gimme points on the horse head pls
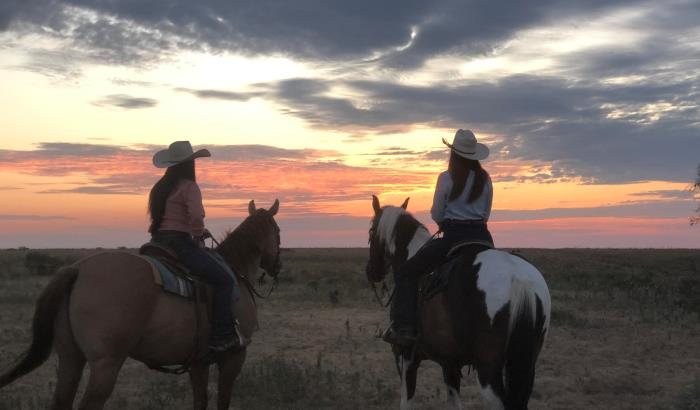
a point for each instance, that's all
(269, 243)
(257, 236)
(382, 245)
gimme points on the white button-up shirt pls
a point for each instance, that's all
(459, 208)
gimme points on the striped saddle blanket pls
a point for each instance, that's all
(164, 276)
(176, 280)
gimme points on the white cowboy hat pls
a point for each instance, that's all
(465, 145)
(178, 152)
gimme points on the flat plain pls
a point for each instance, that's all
(625, 331)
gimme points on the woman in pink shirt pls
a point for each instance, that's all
(177, 221)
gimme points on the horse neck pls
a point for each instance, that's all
(238, 253)
(389, 231)
(247, 266)
(421, 237)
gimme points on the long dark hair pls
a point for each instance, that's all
(162, 189)
(459, 169)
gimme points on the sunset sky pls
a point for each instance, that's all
(591, 110)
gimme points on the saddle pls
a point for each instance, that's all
(176, 278)
(168, 272)
(438, 280)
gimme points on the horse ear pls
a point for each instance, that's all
(404, 205)
(275, 207)
(251, 207)
(375, 204)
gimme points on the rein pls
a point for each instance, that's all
(379, 299)
(248, 282)
(393, 291)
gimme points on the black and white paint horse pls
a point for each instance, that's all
(493, 316)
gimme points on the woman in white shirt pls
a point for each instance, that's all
(461, 208)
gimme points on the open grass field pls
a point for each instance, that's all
(625, 335)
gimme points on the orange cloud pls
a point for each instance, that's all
(100, 192)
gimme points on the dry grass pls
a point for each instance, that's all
(625, 331)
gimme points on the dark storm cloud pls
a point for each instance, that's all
(573, 125)
(436, 155)
(48, 150)
(602, 132)
(126, 102)
(22, 11)
(60, 65)
(220, 94)
(572, 119)
(660, 54)
(667, 193)
(134, 31)
(254, 152)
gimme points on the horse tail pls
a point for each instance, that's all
(526, 332)
(47, 308)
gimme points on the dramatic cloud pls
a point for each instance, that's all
(219, 94)
(97, 190)
(606, 111)
(607, 132)
(394, 33)
(306, 180)
(668, 194)
(126, 102)
(650, 209)
(594, 92)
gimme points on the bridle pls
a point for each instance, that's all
(388, 264)
(261, 279)
(385, 267)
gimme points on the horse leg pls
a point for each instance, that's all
(490, 379)
(453, 379)
(71, 362)
(70, 370)
(199, 379)
(229, 368)
(408, 371)
(103, 376)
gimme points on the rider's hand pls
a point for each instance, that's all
(199, 242)
(206, 234)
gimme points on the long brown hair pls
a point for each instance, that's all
(164, 187)
(459, 169)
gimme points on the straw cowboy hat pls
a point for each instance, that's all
(177, 153)
(465, 145)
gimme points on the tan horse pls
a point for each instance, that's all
(106, 308)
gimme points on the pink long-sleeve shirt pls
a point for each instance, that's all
(184, 211)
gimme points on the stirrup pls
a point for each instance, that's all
(236, 342)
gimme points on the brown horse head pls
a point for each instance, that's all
(381, 239)
(259, 235)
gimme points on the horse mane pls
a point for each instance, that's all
(404, 231)
(243, 241)
(394, 227)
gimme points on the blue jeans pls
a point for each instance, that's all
(404, 309)
(210, 271)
